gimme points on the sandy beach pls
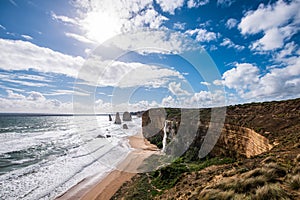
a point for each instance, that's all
(107, 187)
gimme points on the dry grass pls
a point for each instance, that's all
(294, 182)
(216, 194)
(269, 159)
(269, 192)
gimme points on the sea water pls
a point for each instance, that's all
(43, 156)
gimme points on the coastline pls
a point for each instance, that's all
(109, 185)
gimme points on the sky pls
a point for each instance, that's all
(100, 56)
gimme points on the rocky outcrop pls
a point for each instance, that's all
(109, 117)
(125, 126)
(127, 116)
(118, 119)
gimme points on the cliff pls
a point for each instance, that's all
(256, 155)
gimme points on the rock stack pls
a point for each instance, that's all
(109, 117)
(127, 116)
(118, 119)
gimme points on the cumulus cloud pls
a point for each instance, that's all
(176, 89)
(206, 99)
(231, 23)
(13, 95)
(278, 22)
(241, 77)
(36, 96)
(170, 5)
(169, 101)
(196, 3)
(202, 35)
(228, 43)
(277, 83)
(33, 102)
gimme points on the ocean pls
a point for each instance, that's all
(41, 157)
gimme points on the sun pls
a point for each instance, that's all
(101, 26)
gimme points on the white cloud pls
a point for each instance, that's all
(158, 41)
(25, 83)
(35, 102)
(2, 27)
(176, 89)
(288, 51)
(36, 96)
(278, 22)
(278, 83)
(115, 18)
(12, 95)
(206, 99)
(64, 19)
(23, 55)
(80, 38)
(27, 37)
(241, 77)
(205, 83)
(227, 42)
(179, 26)
(169, 101)
(196, 3)
(122, 75)
(231, 23)
(170, 5)
(202, 35)
(273, 39)
(225, 3)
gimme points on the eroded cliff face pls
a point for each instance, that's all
(236, 141)
(152, 125)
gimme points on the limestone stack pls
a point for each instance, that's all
(127, 116)
(118, 119)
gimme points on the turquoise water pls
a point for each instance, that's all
(43, 156)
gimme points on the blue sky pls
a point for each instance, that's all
(103, 56)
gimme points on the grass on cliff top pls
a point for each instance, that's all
(154, 183)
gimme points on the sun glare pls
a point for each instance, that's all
(101, 26)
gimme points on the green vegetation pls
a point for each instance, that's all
(155, 183)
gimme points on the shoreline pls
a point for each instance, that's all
(112, 181)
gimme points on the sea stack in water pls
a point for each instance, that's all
(118, 119)
(127, 116)
(109, 117)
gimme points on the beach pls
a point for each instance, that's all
(108, 185)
